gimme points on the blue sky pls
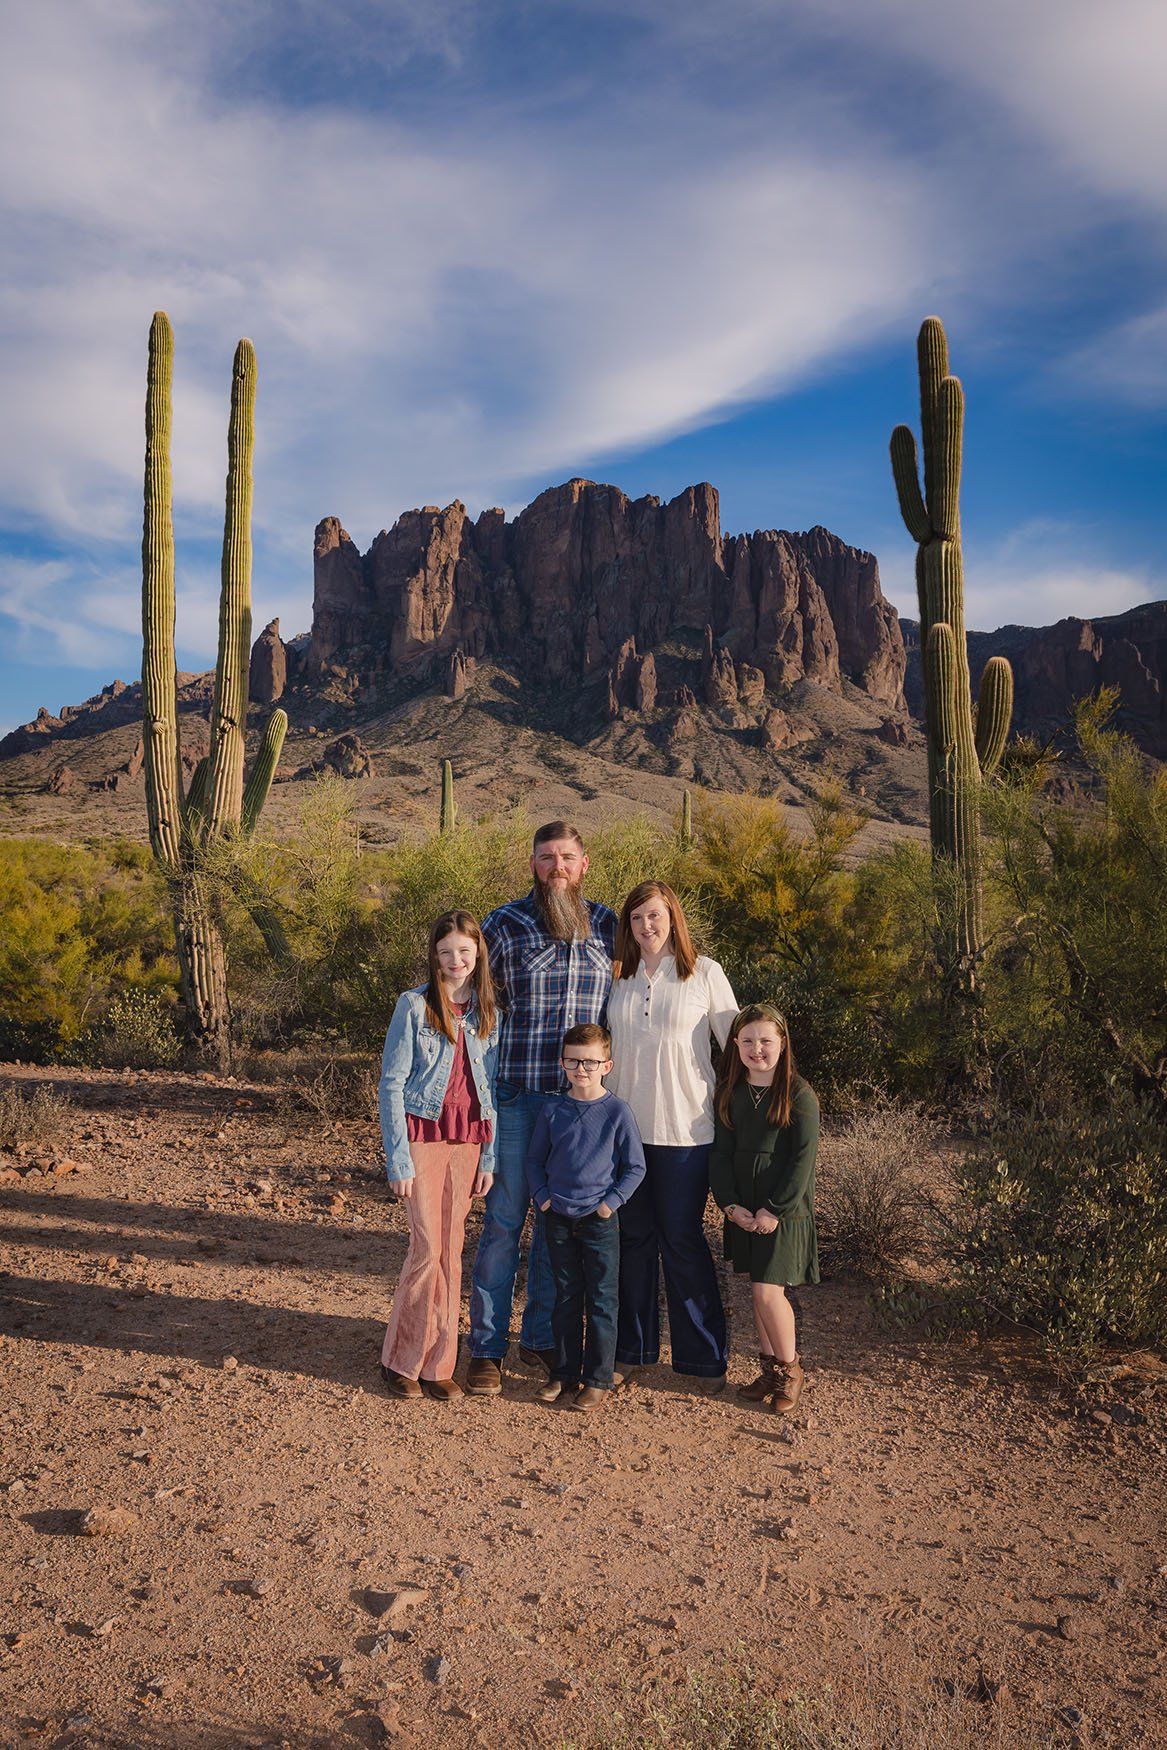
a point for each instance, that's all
(483, 247)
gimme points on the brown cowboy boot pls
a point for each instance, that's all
(761, 1388)
(787, 1387)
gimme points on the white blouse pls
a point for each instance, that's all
(662, 1062)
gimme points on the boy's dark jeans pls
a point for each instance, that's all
(585, 1263)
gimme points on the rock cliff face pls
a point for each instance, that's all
(1055, 665)
(585, 574)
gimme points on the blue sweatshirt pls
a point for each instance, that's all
(584, 1153)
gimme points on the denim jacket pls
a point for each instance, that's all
(415, 1073)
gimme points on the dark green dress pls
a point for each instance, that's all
(761, 1166)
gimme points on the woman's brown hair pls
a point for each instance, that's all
(627, 956)
(733, 1070)
(437, 1004)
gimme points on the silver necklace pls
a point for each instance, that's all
(757, 1095)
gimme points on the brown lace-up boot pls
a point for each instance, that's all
(787, 1387)
(761, 1388)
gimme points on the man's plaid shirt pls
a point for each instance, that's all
(544, 987)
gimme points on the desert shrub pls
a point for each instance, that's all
(791, 923)
(879, 1177)
(138, 1031)
(1075, 996)
(897, 1701)
(78, 924)
(41, 1117)
(1066, 1224)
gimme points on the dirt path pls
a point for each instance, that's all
(190, 1331)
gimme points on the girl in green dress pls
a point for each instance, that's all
(761, 1173)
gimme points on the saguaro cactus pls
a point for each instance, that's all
(964, 745)
(686, 819)
(217, 801)
(449, 808)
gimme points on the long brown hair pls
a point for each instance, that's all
(733, 1070)
(437, 1003)
(627, 956)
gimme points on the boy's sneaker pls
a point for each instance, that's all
(484, 1377)
(554, 1389)
(590, 1398)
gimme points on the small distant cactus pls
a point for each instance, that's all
(686, 819)
(964, 746)
(449, 808)
(217, 801)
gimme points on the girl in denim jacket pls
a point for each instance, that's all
(436, 1098)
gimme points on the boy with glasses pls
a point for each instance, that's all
(584, 1160)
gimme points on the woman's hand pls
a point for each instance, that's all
(401, 1187)
(765, 1222)
(741, 1218)
(482, 1184)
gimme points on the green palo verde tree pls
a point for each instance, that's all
(964, 744)
(217, 803)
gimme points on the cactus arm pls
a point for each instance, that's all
(932, 353)
(159, 697)
(994, 709)
(229, 715)
(255, 791)
(449, 809)
(905, 472)
(949, 431)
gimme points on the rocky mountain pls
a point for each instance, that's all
(1054, 665)
(594, 653)
(586, 583)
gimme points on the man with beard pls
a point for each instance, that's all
(551, 962)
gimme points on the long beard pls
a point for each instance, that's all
(564, 912)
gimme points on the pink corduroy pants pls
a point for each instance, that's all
(422, 1339)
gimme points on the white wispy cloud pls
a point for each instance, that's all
(458, 290)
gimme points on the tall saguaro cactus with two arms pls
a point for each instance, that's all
(217, 801)
(964, 745)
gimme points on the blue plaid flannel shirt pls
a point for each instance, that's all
(544, 987)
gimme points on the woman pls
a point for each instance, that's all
(437, 1119)
(666, 1002)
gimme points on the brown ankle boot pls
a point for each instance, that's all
(761, 1388)
(787, 1387)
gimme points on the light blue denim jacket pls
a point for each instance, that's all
(415, 1073)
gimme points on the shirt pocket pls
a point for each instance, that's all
(542, 972)
(597, 958)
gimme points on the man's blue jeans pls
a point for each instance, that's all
(496, 1262)
(585, 1262)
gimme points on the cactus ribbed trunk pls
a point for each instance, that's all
(229, 713)
(686, 819)
(217, 801)
(202, 961)
(446, 818)
(963, 746)
(159, 688)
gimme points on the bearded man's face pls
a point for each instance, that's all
(559, 866)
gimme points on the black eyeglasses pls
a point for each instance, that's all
(588, 1063)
